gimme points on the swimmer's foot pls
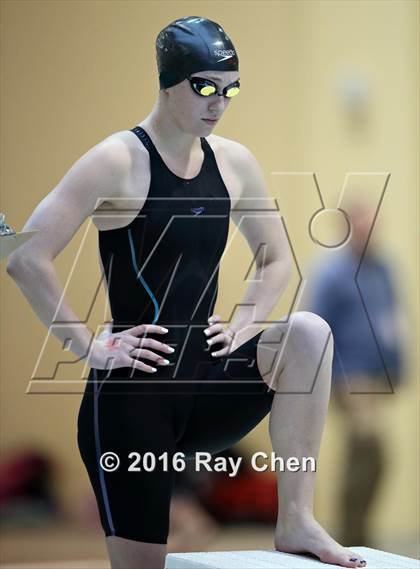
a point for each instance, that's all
(301, 533)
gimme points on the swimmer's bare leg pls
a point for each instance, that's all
(130, 554)
(302, 383)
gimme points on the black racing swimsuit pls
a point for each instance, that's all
(162, 268)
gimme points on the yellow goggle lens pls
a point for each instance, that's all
(207, 90)
(232, 92)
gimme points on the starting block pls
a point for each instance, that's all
(273, 559)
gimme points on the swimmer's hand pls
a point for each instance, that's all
(123, 349)
(222, 335)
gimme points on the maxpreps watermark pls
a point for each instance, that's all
(260, 462)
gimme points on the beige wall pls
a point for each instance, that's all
(73, 72)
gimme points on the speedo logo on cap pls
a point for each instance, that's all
(224, 54)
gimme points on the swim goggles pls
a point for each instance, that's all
(206, 88)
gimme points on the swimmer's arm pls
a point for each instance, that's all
(100, 174)
(266, 237)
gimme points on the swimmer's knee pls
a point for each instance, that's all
(309, 332)
(303, 332)
(305, 322)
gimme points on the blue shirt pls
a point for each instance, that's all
(360, 307)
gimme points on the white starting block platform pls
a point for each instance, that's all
(277, 560)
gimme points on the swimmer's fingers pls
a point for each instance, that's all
(128, 339)
(213, 329)
(146, 328)
(135, 342)
(220, 338)
(223, 352)
(124, 338)
(123, 358)
(214, 318)
(142, 353)
(226, 337)
(137, 364)
(155, 344)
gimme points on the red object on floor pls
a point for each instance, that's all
(249, 496)
(19, 470)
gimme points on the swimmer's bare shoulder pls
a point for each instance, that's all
(132, 167)
(239, 168)
(100, 180)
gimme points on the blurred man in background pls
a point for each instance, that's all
(354, 292)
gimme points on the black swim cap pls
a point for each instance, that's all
(192, 44)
